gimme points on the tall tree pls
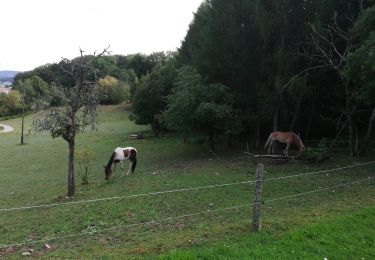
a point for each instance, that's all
(150, 97)
(250, 46)
(182, 102)
(77, 110)
(193, 105)
(360, 66)
(333, 42)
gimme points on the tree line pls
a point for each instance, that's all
(244, 69)
(249, 67)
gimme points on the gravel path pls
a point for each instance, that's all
(7, 128)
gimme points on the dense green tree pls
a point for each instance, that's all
(360, 66)
(150, 97)
(34, 88)
(193, 105)
(214, 114)
(127, 69)
(265, 53)
(182, 103)
(249, 46)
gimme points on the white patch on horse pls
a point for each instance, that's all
(120, 157)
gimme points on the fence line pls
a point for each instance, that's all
(321, 189)
(126, 196)
(178, 217)
(175, 190)
(321, 171)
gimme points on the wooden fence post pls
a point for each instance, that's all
(257, 201)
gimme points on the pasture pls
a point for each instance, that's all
(334, 222)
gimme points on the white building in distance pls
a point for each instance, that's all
(5, 90)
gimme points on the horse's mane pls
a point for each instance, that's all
(110, 162)
(300, 144)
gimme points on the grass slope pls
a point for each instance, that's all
(36, 173)
(342, 237)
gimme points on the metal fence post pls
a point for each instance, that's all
(257, 198)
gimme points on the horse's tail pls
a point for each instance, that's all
(134, 164)
(111, 159)
(268, 141)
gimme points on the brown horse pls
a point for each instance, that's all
(118, 156)
(288, 138)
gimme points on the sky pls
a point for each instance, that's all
(37, 32)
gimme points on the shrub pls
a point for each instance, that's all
(113, 91)
(84, 156)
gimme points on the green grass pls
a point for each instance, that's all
(350, 236)
(36, 173)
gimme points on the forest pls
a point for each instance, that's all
(245, 68)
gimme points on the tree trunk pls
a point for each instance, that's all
(155, 130)
(257, 135)
(348, 111)
(71, 185)
(350, 124)
(275, 125)
(368, 133)
(186, 136)
(212, 140)
(311, 116)
(229, 140)
(296, 114)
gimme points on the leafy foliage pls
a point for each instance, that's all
(193, 105)
(113, 91)
(185, 98)
(360, 66)
(267, 53)
(84, 157)
(10, 104)
(35, 88)
(150, 97)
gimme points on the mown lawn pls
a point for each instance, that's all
(35, 174)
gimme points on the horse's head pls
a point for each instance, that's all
(108, 172)
(301, 149)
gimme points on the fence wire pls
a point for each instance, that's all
(176, 190)
(179, 217)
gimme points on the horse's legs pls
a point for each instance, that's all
(287, 149)
(275, 147)
(270, 147)
(130, 166)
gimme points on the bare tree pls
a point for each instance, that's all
(72, 109)
(333, 45)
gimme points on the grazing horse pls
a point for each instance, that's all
(118, 156)
(284, 137)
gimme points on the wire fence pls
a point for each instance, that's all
(121, 227)
(178, 190)
(348, 184)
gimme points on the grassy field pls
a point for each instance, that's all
(335, 223)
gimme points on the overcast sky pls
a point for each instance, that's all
(36, 32)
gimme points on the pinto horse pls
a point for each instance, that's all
(288, 138)
(118, 156)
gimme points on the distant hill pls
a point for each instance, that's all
(7, 75)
